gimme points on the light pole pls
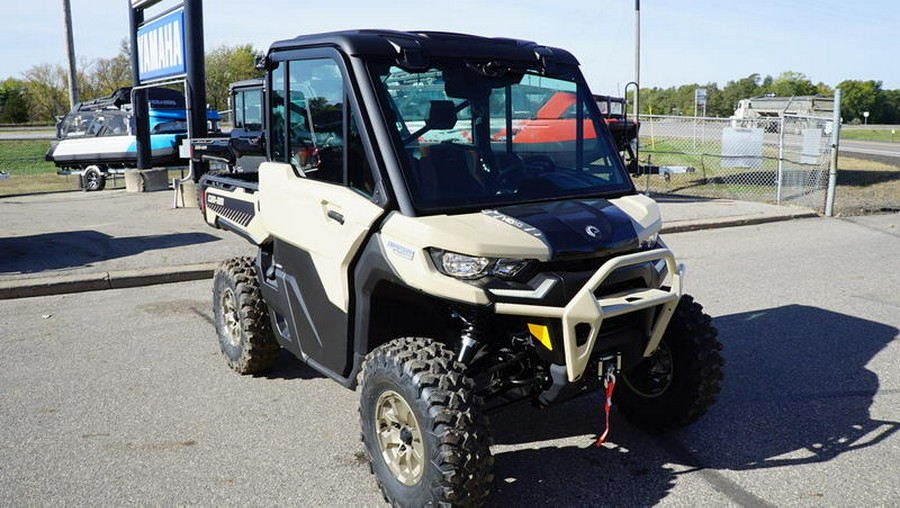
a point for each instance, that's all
(70, 51)
(637, 59)
(865, 118)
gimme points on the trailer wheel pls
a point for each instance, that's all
(679, 382)
(241, 317)
(423, 429)
(93, 179)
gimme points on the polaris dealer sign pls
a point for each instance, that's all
(160, 45)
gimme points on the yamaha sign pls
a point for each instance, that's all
(160, 47)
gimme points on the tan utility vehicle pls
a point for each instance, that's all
(411, 246)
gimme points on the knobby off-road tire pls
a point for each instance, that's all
(242, 320)
(678, 383)
(423, 429)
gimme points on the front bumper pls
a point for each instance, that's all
(585, 308)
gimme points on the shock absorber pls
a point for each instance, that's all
(471, 333)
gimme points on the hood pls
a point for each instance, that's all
(575, 229)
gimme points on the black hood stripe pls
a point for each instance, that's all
(574, 229)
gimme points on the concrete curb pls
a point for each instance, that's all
(63, 284)
(748, 220)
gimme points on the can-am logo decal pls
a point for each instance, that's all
(592, 231)
(402, 250)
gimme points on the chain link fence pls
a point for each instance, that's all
(23, 169)
(23, 155)
(782, 160)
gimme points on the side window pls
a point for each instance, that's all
(76, 125)
(313, 126)
(253, 110)
(248, 110)
(316, 116)
(96, 127)
(116, 124)
(239, 110)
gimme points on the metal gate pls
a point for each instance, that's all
(782, 160)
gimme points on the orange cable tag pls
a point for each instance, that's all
(609, 383)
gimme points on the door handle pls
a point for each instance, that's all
(336, 216)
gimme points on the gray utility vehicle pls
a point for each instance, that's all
(412, 245)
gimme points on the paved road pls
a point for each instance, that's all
(121, 397)
(871, 148)
(34, 133)
(712, 131)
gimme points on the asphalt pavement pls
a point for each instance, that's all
(122, 397)
(878, 148)
(82, 241)
(85, 241)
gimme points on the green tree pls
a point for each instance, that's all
(824, 90)
(678, 101)
(46, 92)
(13, 106)
(104, 76)
(858, 96)
(735, 91)
(890, 111)
(790, 83)
(225, 65)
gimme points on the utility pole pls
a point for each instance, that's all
(70, 51)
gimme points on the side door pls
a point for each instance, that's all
(318, 201)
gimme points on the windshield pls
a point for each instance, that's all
(479, 136)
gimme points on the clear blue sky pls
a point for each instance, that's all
(683, 41)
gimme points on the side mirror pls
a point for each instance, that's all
(261, 62)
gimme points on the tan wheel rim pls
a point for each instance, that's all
(232, 319)
(399, 438)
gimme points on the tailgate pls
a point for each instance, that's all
(233, 204)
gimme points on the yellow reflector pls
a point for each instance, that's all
(542, 334)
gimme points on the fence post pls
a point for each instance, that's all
(779, 177)
(835, 141)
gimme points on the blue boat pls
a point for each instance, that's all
(97, 137)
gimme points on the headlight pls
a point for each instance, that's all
(467, 267)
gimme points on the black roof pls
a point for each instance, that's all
(247, 83)
(391, 43)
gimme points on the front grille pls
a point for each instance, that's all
(572, 266)
(613, 287)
